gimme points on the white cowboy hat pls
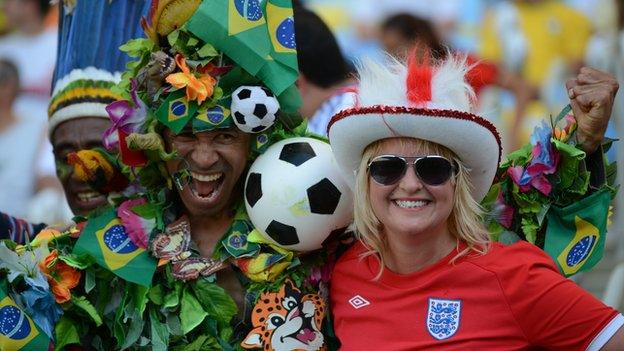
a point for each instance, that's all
(419, 101)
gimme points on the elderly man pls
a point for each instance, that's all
(89, 64)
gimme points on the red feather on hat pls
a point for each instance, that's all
(419, 75)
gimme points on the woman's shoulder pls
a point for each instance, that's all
(518, 257)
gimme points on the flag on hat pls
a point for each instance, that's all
(257, 35)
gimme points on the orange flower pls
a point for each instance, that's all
(61, 276)
(197, 88)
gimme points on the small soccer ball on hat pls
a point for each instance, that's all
(254, 108)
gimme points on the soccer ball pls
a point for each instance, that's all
(295, 195)
(254, 108)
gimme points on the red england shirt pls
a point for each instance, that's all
(512, 298)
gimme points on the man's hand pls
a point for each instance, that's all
(592, 94)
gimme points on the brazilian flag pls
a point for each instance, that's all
(216, 117)
(175, 112)
(17, 330)
(235, 27)
(105, 239)
(281, 69)
(575, 235)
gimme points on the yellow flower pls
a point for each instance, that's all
(197, 88)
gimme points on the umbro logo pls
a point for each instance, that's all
(358, 302)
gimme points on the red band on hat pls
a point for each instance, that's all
(416, 111)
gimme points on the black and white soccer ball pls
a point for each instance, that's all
(254, 108)
(295, 194)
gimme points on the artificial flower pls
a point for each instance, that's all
(45, 236)
(502, 211)
(41, 306)
(125, 117)
(544, 160)
(24, 265)
(61, 276)
(564, 128)
(197, 88)
(138, 228)
(321, 274)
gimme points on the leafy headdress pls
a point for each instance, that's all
(206, 65)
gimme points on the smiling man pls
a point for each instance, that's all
(88, 66)
(216, 161)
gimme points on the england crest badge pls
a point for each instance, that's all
(443, 317)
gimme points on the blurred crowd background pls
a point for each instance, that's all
(523, 51)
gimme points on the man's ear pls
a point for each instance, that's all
(302, 83)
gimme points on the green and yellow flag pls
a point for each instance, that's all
(105, 239)
(281, 69)
(18, 332)
(575, 235)
(176, 111)
(259, 35)
(235, 27)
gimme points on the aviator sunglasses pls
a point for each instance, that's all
(431, 170)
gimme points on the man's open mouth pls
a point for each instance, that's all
(206, 187)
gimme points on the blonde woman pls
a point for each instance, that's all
(424, 275)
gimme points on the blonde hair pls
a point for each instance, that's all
(464, 222)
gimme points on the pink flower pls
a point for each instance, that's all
(137, 227)
(544, 160)
(502, 211)
(125, 117)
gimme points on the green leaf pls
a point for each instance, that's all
(134, 330)
(156, 295)
(215, 300)
(77, 261)
(139, 296)
(191, 312)
(159, 332)
(147, 210)
(172, 299)
(84, 304)
(207, 51)
(518, 157)
(529, 228)
(89, 280)
(135, 47)
(541, 215)
(192, 42)
(119, 327)
(172, 37)
(174, 325)
(201, 343)
(65, 333)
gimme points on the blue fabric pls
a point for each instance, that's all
(91, 34)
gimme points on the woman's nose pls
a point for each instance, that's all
(410, 181)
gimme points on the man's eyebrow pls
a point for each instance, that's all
(65, 145)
